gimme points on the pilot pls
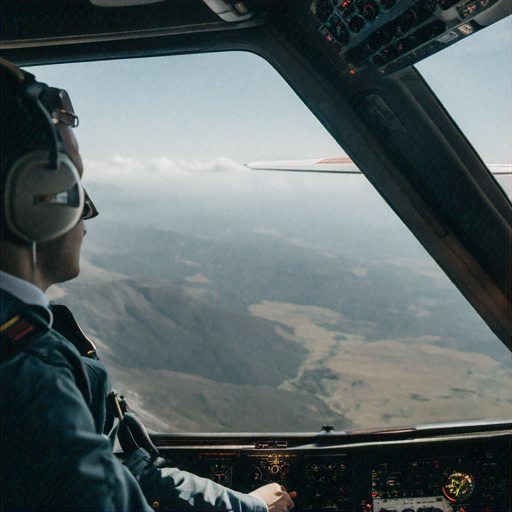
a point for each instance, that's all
(54, 456)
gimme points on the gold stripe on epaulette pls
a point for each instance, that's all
(9, 323)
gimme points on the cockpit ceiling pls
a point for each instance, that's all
(383, 35)
(23, 20)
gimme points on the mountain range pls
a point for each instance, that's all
(267, 332)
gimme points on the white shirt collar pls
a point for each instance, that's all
(24, 291)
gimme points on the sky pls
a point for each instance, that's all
(235, 105)
(473, 79)
(193, 107)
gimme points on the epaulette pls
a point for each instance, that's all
(19, 331)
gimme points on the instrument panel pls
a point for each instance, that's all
(389, 35)
(435, 475)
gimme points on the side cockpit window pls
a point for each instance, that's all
(477, 95)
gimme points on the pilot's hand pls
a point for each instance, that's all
(276, 497)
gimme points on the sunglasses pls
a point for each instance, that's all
(70, 198)
(55, 101)
(90, 210)
(58, 103)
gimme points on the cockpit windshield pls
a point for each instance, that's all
(229, 299)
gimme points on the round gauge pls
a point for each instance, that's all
(458, 486)
(323, 10)
(257, 474)
(356, 24)
(378, 40)
(341, 32)
(370, 11)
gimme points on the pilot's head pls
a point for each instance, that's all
(43, 201)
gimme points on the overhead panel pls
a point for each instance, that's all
(390, 35)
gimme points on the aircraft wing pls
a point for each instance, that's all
(500, 169)
(341, 165)
(326, 165)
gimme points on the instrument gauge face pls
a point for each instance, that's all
(458, 485)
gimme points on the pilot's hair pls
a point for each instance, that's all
(23, 127)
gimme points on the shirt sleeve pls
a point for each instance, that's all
(53, 458)
(101, 385)
(174, 489)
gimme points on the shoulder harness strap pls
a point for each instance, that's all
(64, 322)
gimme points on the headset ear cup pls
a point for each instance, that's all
(39, 203)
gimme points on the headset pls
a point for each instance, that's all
(43, 197)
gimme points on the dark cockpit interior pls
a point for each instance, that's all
(352, 63)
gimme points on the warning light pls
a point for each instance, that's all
(374, 494)
(352, 71)
(344, 4)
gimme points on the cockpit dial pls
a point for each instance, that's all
(269, 468)
(458, 485)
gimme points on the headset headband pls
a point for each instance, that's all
(43, 197)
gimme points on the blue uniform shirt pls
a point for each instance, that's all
(53, 455)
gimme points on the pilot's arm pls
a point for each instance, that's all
(53, 457)
(164, 488)
(173, 489)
